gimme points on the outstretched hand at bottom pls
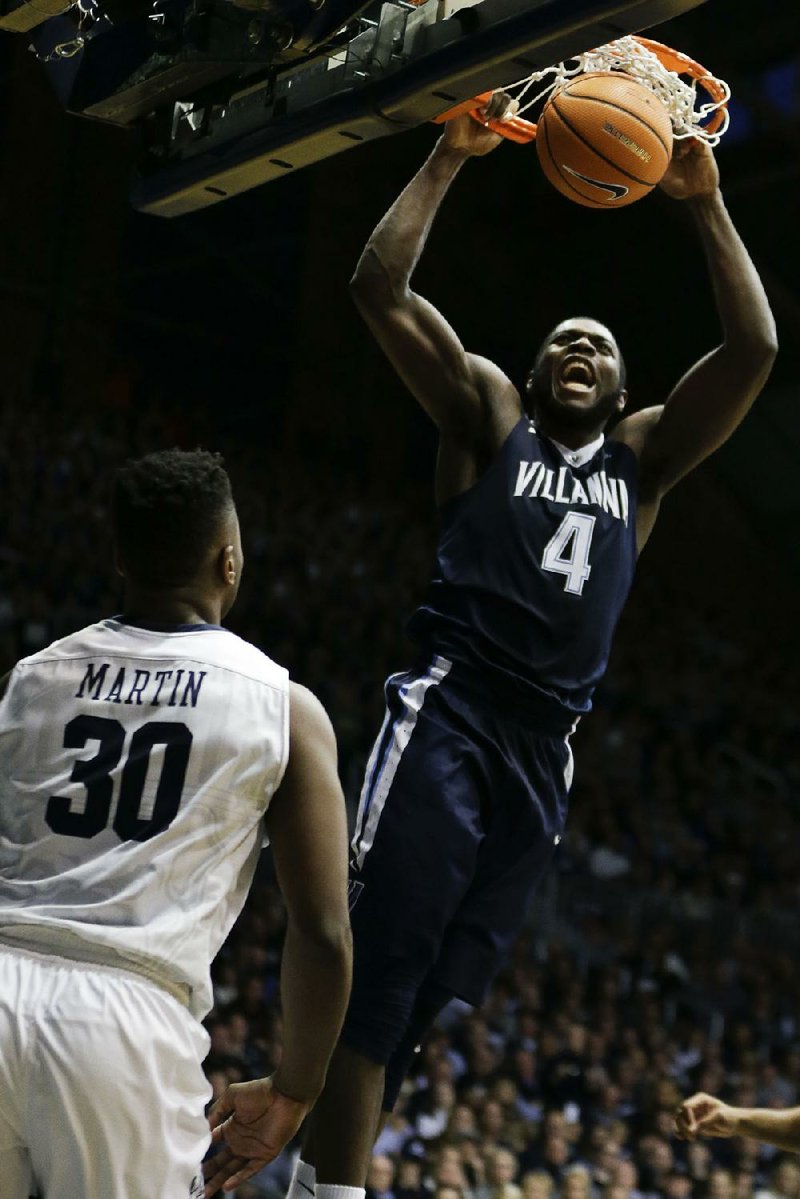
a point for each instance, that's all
(253, 1121)
(704, 1116)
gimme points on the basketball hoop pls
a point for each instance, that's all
(656, 66)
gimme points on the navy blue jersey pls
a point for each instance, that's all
(533, 566)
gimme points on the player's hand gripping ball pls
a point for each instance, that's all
(692, 173)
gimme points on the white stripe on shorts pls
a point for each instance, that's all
(569, 769)
(376, 790)
(366, 786)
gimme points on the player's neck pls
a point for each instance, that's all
(568, 435)
(178, 606)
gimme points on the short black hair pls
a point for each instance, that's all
(165, 508)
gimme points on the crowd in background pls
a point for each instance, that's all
(661, 955)
(564, 1085)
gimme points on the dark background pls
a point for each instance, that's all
(244, 307)
(233, 327)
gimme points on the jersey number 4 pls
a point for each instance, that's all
(95, 774)
(567, 551)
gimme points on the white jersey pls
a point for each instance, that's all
(136, 766)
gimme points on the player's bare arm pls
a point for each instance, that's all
(471, 401)
(307, 826)
(714, 396)
(704, 1115)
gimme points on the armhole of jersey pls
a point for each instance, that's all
(284, 759)
(633, 489)
(5, 683)
(455, 502)
(280, 770)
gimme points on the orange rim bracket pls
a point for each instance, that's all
(514, 129)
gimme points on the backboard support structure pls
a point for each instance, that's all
(401, 70)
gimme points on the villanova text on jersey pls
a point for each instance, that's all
(535, 480)
(533, 566)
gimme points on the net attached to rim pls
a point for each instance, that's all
(656, 67)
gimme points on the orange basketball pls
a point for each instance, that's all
(604, 140)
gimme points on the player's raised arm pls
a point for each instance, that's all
(451, 384)
(713, 397)
(705, 1116)
(307, 827)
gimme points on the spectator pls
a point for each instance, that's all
(537, 1184)
(380, 1178)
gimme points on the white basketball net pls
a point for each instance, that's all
(687, 113)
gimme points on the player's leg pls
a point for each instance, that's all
(376, 1089)
(531, 781)
(372, 1090)
(526, 781)
(15, 1182)
(414, 849)
(431, 999)
(342, 1127)
(510, 863)
(526, 800)
(117, 1106)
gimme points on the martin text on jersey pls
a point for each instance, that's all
(110, 683)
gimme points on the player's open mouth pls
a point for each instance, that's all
(577, 372)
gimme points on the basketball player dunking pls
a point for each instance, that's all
(142, 761)
(541, 519)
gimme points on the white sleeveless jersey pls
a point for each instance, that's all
(135, 770)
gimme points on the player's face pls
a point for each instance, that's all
(576, 379)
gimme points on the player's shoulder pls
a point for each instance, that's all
(494, 386)
(499, 406)
(234, 653)
(309, 716)
(489, 374)
(70, 645)
(634, 430)
(116, 638)
(33, 676)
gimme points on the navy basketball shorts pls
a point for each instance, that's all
(463, 804)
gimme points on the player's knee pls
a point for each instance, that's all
(374, 1041)
(430, 1001)
(375, 1029)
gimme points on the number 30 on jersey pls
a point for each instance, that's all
(95, 774)
(567, 551)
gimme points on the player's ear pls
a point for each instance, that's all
(226, 566)
(622, 400)
(529, 381)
